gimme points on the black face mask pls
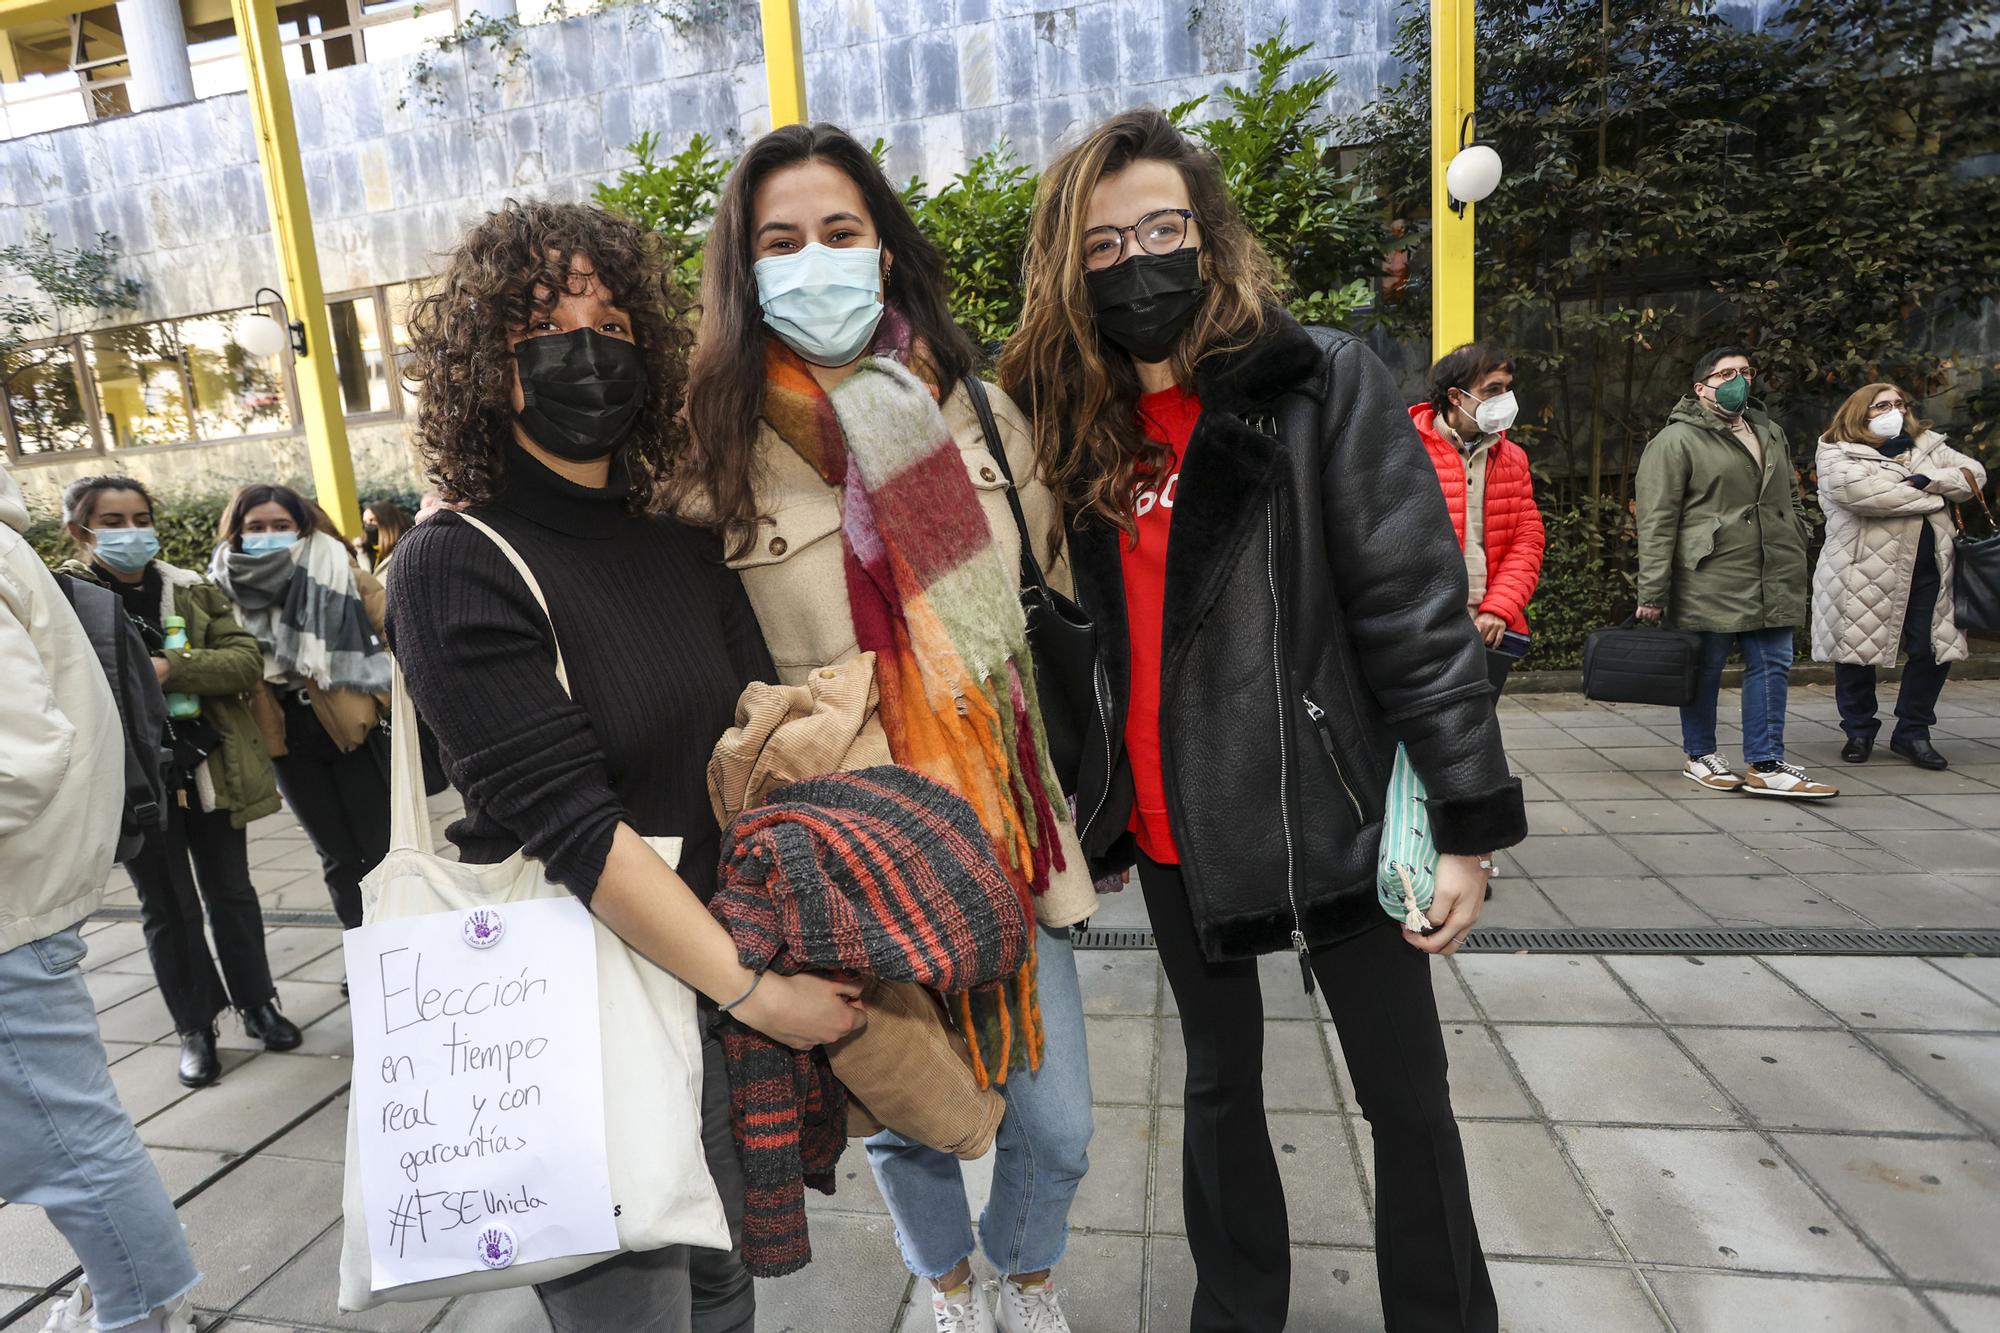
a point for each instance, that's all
(581, 392)
(1146, 303)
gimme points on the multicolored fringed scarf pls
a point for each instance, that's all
(941, 611)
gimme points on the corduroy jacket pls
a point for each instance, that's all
(1315, 617)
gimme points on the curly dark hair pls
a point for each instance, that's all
(512, 267)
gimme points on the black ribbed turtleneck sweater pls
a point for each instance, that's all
(658, 639)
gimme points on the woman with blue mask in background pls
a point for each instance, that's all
(838, 448)
(318, 619)
(219, 778)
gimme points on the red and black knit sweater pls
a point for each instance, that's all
(881, 873)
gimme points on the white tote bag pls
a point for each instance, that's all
(651, 1039)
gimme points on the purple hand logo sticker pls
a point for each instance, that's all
(483, 927)
(497, 1246)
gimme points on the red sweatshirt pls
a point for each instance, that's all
(1167, 416)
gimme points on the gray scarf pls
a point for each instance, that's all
(306, 612)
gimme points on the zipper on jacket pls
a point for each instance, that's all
(1104, 721)
(1318, 716)
(1284, 750)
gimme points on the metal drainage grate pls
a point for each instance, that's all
(1905, 943)
(1939, 943)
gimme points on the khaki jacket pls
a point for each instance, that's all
(797, 582)
(1722, 535)
(223, 665)
(908, 1069)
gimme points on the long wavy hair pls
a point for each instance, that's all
(1081, 393)
(513, 266)
(725, 384)
(1850, 422)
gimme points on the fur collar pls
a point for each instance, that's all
(1283, 359)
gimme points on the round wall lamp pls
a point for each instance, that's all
(1473, 173)
(261, 335)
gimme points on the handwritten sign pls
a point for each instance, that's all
(479, 1090)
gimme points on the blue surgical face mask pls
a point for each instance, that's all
(824, 303)
(262, 543)
(127, 550)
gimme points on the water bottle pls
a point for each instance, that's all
(179, 705)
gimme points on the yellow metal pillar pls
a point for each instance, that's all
(291, 228)
(784, 62)
(1451, 233)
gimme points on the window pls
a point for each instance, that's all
(140, 391)
(235, 393)
(45, 401)
(402, 297)
(359, 356)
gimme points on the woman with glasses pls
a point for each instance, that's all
(1882, 590)
(839, 446)
(1306, 618)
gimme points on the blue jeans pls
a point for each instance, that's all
(1042, 1151)
(70, 1148)
(1767, 666)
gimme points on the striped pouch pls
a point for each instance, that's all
(1406, 868)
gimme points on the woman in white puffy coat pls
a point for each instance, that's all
(1882, 591)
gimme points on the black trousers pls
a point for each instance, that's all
(1432, 1272)
(1923, 674)
(1498, 667)
(171, 910)
(341, 799)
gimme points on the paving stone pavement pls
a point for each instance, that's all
(1656, 1142)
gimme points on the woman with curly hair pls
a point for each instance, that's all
(1305, 621)
(551, 358)
(839, 446)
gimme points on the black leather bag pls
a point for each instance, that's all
(1069, 678)
(1629, 665)
(1975, 577)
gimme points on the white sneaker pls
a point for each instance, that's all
(78, 1315)
(963, 1309)
(73, 1315)
(1709, 771)
(1030, 1309)
(1788, 781)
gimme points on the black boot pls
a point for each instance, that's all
(264, 1023)
(200, 1065)
(1919, 751)
(1857, 749)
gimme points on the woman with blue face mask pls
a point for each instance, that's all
(220, 778)
(837, 446)
(326, 672)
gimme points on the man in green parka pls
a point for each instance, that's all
(1722, 552)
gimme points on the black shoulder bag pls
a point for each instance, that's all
(1069, 678)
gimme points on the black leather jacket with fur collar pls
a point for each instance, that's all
(1315, 617)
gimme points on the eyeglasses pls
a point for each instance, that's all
(1893, 405)
(1160, 232)
(1721, 377)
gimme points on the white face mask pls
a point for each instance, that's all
(1887, 426)
(824, 303)
(1494, 414)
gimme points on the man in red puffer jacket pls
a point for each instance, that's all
(1490, 493)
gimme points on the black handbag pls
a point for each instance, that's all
(1975, 576)
(1629, 665)
(1069, 678)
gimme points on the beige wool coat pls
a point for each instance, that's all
(1874, 517)
(797, 581)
